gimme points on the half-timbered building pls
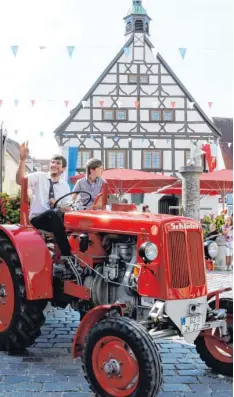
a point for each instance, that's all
(138, 114)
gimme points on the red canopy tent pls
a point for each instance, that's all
(121, 181)
(212, 184)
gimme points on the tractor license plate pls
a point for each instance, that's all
(191, 324)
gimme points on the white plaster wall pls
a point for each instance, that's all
(136, 159)
(9, 184)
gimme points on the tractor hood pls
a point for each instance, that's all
(123, 222)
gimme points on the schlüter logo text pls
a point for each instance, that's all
(183, 226)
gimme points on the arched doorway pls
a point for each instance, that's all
(166, 202)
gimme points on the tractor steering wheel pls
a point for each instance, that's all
(69, 194)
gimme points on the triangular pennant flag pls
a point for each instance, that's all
(229, 144)
(127, 51)
(210, 104)
(49, 101)
(143, 140)
(16, 102)
(70, 49)
(191, 105)
(173, 104)
(33, 102)
(41, 133)
(137, 104)
(101, 103)
(119, 103)
(84, 103)
(129, 139)
(155, 52)
(183, 52)
(14, 49)
(1, 102)
(16, 132)
(66, 103)
(155, 104)
(42, 47)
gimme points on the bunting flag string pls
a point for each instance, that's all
(66, 103)
(101, 103)
(210, 104)
(16, 102)
(173, 104)
(70, 49)
(137, 104)
(183, 52)
(33, 102)
(191, 105)
(127, 51)
(14, 49)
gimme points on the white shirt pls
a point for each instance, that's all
(39, 184)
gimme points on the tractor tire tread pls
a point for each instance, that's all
(143, 343)
(217, 366)
(28, 317)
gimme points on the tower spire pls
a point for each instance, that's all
(137, 19)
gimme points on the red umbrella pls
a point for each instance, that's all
(123, 181)
(211, 183)
(177, 190)
(221, 181)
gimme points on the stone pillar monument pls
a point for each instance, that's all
(191, 189)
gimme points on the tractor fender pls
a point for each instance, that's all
(91, 318)
(35, 259)
(216, 294)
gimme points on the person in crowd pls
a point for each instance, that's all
(146, 208)
(228, 233)
(213, 234)
(91, 183)
(46, 188)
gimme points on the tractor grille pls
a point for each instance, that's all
(196, 258)
(180, 261)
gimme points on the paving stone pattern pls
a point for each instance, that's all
(47, 369)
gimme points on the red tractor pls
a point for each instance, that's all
(136, 278)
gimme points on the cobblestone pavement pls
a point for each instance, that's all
(47, 368)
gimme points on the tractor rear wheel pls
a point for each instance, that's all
(20, 319)
(121, 360)
(218, 354)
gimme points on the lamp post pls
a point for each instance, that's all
(2, 145)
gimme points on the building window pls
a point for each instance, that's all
(116, 159)
(168, 115)
(108, 115)
(133, 79)
(144, 79)
(82, 158)
(155, 115)
(115, 115)
(129, 27)
(121, 115)
(139, 26)
(152, 159)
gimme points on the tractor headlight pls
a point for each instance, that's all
(213, 249)
(149, 251)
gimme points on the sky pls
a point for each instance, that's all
(96, 29)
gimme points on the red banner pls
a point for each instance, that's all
(211, 161)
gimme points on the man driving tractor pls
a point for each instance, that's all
(46, 189)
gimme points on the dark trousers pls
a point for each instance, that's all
(52, 221)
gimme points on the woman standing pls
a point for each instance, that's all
(228, 233)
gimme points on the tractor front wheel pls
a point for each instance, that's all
(213, 350)
(121, 360)
(20, 319)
